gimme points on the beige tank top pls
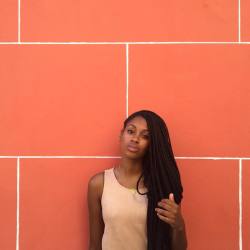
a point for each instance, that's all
(124, 213)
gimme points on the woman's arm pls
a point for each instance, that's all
(96, 224)
(179, 237)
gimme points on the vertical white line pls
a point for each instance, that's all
(19, 21)
(17, 202)
(239, 21)
(240, 204)
(127, 67)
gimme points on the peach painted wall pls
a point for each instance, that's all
(62, 105)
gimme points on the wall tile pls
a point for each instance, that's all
(245, 20)
(210, 203)
(54, 20)
(53, 210)
(8, 200)
(201, 91)
(8, 21)
(61, 100)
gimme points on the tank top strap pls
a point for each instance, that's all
(109, 182)
(109, 176)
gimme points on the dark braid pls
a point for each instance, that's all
(161, 177)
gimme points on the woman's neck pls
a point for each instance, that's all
(130, 168)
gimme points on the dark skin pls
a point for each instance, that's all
(135, 133)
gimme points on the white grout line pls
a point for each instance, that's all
(17, 201)
(19, 22)
(58, 156)
(240, 204)
(114, 43)
(127, 82)
(239, 21)
(213, 158)
(110, 157)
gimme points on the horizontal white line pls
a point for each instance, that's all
(58, 156)
(90, 157)
(213, 158)
(112, 43)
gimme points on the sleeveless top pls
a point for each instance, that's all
(124, 213)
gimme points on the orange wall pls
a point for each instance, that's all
(62, 106)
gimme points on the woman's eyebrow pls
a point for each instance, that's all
(135, 127)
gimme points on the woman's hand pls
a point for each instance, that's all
(170, 212)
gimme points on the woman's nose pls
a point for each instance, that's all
(135, 138)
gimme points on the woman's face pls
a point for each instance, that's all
(134, 139)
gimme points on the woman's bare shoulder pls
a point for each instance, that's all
(96, 183)
(97, 179)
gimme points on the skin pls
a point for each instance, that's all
(135, 133)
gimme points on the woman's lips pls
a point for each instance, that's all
(133, 149)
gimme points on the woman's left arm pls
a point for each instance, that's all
(179, 238)
(170, 212)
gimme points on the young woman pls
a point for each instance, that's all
(136, 205)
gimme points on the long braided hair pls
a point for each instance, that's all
(161, 177)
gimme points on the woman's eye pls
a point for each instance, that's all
(144, 136)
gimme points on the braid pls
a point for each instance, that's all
(161, 177)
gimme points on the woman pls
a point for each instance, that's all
(121, 216)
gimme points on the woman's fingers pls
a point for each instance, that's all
(169, 202)
(168, 211)
(169, 207)
(165, 213)
(166, 219)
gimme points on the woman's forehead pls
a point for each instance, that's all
(139, 123)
